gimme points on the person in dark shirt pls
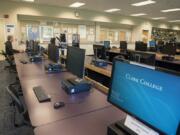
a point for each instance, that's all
(9, 47)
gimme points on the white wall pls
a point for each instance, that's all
(16, 10)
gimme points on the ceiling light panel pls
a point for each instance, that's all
(139, 14)
(143, 3)
(175, 21)
(112, 10)
(77, 4)
(158, 18)
(28, 0)
(170, 10)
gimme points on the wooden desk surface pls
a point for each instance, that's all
(44, 113)
(103, 71)
(159, 56)
(94, 123)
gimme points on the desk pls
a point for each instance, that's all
(44, 113)
(115, 52)
(94, 123)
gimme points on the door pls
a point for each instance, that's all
(2, 37)
(122, 36)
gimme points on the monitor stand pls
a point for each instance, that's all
(130, 126)
(119, 128)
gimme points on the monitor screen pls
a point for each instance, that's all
(53, 53)
(99, 51)
(107, 44)
(140, 46)
(142, 57)
(151, 96)
(75, 61)
(169, 48)
(62, 37)
(177, 45)
(152, 43)
(123, 45)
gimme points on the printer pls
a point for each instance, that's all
(54, 68)
(35, 58)
(75, 86)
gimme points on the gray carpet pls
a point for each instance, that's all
(7, 112)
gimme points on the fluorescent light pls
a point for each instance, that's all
(139, 14)
(171, 10)
(112, 10)
(143, 3)
(175, 21)
(159, 18)
(28, 0)
(77, 4)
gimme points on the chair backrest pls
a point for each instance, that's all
(13, 93)
(4, 54)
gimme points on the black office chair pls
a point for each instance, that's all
(12, 66)
(19, 105)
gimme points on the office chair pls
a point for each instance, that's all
(19, 105)
(17, 88)
(12, 66)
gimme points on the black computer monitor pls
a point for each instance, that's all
(150, 96)
(29, 45)
(107, 44)
(36, 47)
(99, 51)
(169, 49)
(75, 61)
(123, 45)
(177, 45)
(140, 46)
(53, 53)
(147, 58)
(62, 37)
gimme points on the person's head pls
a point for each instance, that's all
(10, 38)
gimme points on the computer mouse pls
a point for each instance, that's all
(59, 105)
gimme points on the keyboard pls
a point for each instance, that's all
(41, 95)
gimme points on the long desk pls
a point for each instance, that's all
(32, 75)
(94, 123)
(102, 76)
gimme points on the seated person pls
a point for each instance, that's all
(9, 47)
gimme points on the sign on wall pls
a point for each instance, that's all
(10, 29)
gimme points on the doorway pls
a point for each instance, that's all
(2, 37)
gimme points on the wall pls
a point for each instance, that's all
(15, 9)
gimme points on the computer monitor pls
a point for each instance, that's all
(62, 37)
(177, 45)
(147, 58)
(107, 44)
(36, 47)
(140, 46)
(75, 61)
(123, 45)
(169, 49)
(151, 96)
(53, 53)
(152, 44)
(29, 45)
(99, 51)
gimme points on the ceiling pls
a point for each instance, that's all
(152, 10)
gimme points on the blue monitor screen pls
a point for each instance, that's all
(152, 44)
(107, 44)
(151, 96)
